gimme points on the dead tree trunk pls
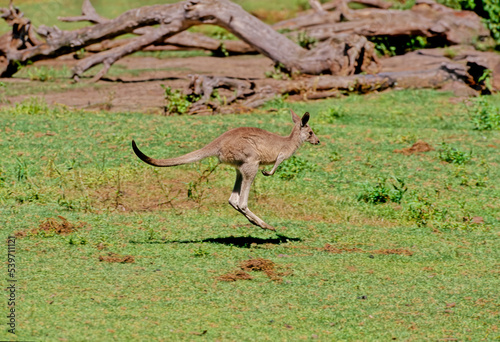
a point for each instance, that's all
(328, 57)
(341, 49)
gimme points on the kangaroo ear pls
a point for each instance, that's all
(305, 119)
(295, 117)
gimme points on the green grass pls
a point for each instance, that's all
(79, 165)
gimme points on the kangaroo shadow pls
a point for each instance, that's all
(236, 241)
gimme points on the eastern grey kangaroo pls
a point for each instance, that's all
(246, 148)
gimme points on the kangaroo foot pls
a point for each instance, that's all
(266, 226)
(255, 219)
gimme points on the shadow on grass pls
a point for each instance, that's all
(236, 241)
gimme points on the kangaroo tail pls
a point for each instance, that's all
(191, 157)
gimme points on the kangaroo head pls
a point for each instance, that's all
(305, 131)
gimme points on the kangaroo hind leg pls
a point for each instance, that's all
(234, 200)
(248, 172)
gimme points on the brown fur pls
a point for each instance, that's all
(246, 148)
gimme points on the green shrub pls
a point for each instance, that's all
(483, 115)
(422, 211)
(454, 156)
(306, 41)
(177, 102)
(381, 192)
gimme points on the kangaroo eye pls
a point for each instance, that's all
(310, 133)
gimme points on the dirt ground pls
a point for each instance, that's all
(138, 88)
(142, 91)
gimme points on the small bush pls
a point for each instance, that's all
(177, 102)
(33, 106)
(483, 115)
(279, 72)
(306, 41)
(333, 113)
(452, 155)
(42, 74)
(382, 192)
(422, 211)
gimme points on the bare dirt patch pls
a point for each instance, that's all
(268, 267)
(61, 226)
(138, 88)
(235, 275)
(418, 147)
(51, 225)
(114, 257)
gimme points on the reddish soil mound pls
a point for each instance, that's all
(113, 257)
(418, 147)
(52, 225)
(258, 265)
(20, 234)
(236, 275)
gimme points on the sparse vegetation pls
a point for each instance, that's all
(177, 102)
(483, 114)
(453, 155)
(381, 192)
(111, 249)
(306, 41)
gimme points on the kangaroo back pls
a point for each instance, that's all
(207, 151)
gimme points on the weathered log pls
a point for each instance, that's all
(183, 41)
(255, 93)
(174, 18)
(426, 18)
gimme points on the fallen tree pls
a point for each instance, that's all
(332, 39)
(328, 57)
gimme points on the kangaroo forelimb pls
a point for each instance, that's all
(280, 158)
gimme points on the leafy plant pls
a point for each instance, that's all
(21, 170)
(200, 252)
(335, 156)
(381, 192)
(423, 211)
(41, 74)
(306, 41)
(479, 177)
(484, 115)
(452, 155)
(77, 240)
(392, 46)
(333, 113)
(294, 166)
(177, 102)
(280, 72)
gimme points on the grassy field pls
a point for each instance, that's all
(371, 244)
